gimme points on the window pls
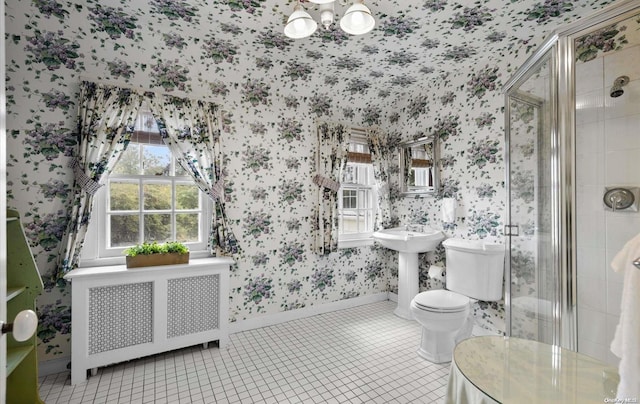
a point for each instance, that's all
(357, 195)
(148, 197)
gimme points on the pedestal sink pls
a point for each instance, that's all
(408, 243)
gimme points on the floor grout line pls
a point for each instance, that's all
(366, 355)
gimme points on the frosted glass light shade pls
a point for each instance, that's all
(357, 20)
(300, 24)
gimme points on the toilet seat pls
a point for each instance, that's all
(441, 300)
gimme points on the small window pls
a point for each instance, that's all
(357, 196)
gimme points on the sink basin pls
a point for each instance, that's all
(408, 243)
(402, 240)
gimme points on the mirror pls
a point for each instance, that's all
(419, 174)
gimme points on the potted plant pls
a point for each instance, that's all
(152, 254)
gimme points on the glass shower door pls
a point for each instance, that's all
(530, 274)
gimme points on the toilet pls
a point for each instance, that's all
(474, 272)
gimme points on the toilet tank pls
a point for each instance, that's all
(474, 268)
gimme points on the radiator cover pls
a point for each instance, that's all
(191, 307)
(119, 314)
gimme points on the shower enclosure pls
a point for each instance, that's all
(573, 179)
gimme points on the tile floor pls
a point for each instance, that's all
(359, 355)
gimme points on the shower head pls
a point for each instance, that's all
(616, 90)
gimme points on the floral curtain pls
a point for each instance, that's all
(191, 129)
(106, 115)
(331, 160)
(380, 152)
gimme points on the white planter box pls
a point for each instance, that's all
(119, 314)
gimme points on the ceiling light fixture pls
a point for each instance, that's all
(357, 20)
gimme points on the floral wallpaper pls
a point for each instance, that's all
(429, 66)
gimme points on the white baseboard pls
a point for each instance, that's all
(282, 317)
(393, 297)
(53, 366)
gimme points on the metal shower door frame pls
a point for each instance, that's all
(562, 126)
(545, 54)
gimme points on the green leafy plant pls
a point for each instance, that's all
(155, 248)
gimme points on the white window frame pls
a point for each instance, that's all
(349, 240)
(96, 252)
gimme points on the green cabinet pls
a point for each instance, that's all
(23, 286)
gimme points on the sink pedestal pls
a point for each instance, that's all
(408, 283)
(408, 243)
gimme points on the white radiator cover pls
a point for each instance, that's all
(119, 314)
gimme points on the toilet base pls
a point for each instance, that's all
(437, 346)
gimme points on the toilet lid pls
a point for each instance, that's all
(441, 300)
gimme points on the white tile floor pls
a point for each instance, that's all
(359, 355)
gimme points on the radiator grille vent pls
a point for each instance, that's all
(192, 305)
(120, 316)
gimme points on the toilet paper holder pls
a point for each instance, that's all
(436, 272)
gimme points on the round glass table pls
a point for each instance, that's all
(495, 369)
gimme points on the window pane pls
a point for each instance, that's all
(179, 171)
(187, 227)
(417, 178)
(129, 162)
(358, 147)
(362, 224)
(124, 196)
(349, 199)
(124, 230)
(156, 160)
(146, 123)
(362, 174)
(151, 198)
(368, 175)
(356, 173)
(350, 222)
(357, 199)
(187, 196)
(421, 177)
(157, 196)
(363, 199)
(349, 174)
(157, 228)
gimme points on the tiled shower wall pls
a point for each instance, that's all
(607, 154)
